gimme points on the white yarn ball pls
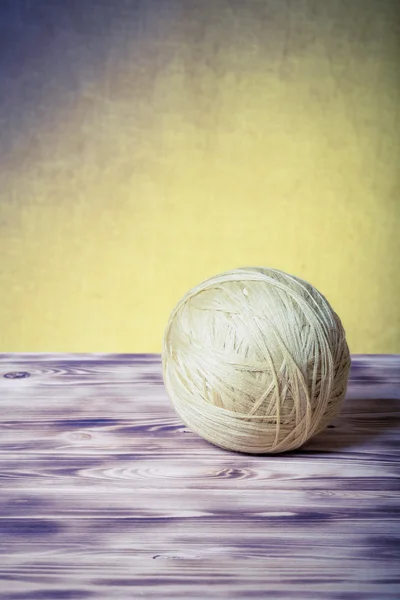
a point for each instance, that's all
(255, 360)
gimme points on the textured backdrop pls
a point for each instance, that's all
(147, 145)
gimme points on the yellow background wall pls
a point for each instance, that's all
(146, 146)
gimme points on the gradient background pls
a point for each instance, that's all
(148, 145)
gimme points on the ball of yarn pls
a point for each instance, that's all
(255, 360)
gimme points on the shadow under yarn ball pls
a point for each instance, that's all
(255, 360)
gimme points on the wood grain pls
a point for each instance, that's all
(106, 494)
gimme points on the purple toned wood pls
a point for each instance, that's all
(106, 494)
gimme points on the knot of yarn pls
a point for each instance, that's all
(255, 360)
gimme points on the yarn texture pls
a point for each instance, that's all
(255, 360)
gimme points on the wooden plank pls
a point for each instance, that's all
(106, 494)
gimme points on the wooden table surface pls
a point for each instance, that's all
(106, 494)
